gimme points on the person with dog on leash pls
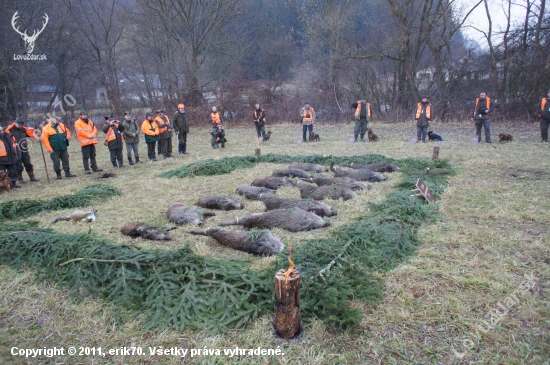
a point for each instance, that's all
(362, 116)
(308, 118)
(544, 116)
(259, 121)
(423, 118)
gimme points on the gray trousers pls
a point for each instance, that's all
(361, 126)
(544, 129)
(486, 124)
(260, 129)
(58, 158)
(421, 132)
(132, 147)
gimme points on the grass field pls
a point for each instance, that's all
(445, 305)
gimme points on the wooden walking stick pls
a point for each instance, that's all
(44, 158)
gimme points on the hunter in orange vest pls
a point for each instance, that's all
(22, 134)
(423, 118)
(165, 134)
(114, 140)
(308, 118)
(86, 133)
(151, 131)
(259, 121)
(544, 115)
(482, 116)
(55, 137)
(8, 156)
(362, 116)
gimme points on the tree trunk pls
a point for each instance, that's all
(288, 322)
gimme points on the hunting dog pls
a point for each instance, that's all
(267, 136)
(314, 137)
(505, 137)
(5, 182)
(372, 137)
(434, 137)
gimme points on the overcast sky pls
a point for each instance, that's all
(498, 9)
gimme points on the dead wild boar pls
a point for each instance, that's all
(179, 214)
(309, 205)
(292, 220)
(219, 202)
(361, 175)
(259, 243)
(273, 182)
(376, 167)
(350, 183)
(291, 173)
(136, 229)
(254, 192)
(311, 167)
(333, 192)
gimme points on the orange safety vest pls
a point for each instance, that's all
(215, 117)
(311, 113)
(256, 115)
(86, 132)
(3, 151)
(428, 111)
(488, 103)
(542, 103)
(28, 131)
(358, 110)
(150, 128)
(161, 120)
(49, 130)
(110, 135)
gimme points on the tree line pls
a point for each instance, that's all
(147, 54)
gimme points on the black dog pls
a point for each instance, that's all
(434, 137)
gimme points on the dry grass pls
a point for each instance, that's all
(493, 231)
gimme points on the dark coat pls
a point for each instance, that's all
(131, 127)
(117, 143)
(179, 120)
(11, 153)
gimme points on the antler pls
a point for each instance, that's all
(36, 33)
(13, 19)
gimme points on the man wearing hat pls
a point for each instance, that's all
(165, 134)
(55, 137)
(151, 131)
(131, 137)
(544, 115)
(21, 134)
(181, 127)
(362, 116)
(86, 132)
(423, 118)
(114, 140)
(308, 118)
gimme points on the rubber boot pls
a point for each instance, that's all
(20, 178)
(58, 173)
(114, 164)
(31, 176)
(130, 161)
(120, 164)
(137, 159)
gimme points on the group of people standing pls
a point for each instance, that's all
(158, 131)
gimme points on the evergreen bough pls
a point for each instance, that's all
(28, 207)
(177, 288)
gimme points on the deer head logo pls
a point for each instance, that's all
(29, 40)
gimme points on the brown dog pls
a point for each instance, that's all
(5, 182)
(372, 137)
(267, 135)
(505, 137)
(314, 137)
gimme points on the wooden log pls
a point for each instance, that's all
(288, 322)
(435, 155)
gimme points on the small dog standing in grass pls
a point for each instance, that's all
(434, 137)
(505, 137)
(267, 135)
(5, 182)
(314, 137)
(372, 137)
